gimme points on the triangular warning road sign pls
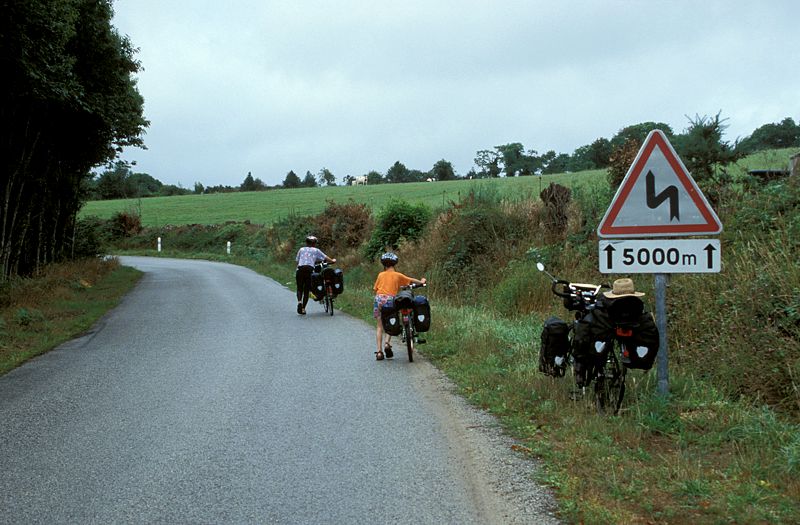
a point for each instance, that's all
(658, 197)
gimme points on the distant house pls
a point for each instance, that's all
(359, 181)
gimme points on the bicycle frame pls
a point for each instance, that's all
(327, 299)
(409, 334)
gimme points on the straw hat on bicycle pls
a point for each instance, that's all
(623, 288)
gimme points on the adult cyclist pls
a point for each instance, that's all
(307, 257)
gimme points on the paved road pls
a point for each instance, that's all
(204, 398)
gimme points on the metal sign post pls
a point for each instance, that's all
(662, 370)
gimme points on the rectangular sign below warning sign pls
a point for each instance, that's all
(660, 256)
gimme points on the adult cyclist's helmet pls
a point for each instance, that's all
(389, 259)
(311, 240)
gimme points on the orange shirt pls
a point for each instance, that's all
(389, 282)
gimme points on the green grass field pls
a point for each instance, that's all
(266, 207)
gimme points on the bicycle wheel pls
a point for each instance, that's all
(329, 300)
(609, 386)
(409, 337)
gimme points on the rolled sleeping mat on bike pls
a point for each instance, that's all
(390, 319)
(554, 347)
(422, 313)
(404, 299)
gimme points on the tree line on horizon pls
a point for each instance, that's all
(700, 146)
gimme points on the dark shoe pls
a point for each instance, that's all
(379, 356)
(299, 308)
(387, 349)
(302, 311)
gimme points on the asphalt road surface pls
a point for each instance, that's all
(205, 398)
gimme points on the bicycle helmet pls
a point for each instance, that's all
(389, 258)
(311, 240)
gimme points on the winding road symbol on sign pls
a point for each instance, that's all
(670, 193)
(658, 198)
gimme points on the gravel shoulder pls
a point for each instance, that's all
(500, 478)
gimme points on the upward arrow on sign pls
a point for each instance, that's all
(664, 202)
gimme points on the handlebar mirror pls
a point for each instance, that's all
(540, 266)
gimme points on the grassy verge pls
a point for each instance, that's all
(38, 314)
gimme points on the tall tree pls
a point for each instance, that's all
(309, 181)
(702, 148)
(374, 177)
(488, 163)
(291, 180)
(443, 170)
(639, 132)
(248, 184)
(785, 134)
(512, 156)
(326, 177)
(398, 173)
(68, 103)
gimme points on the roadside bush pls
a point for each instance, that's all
(469, 245)
(397, 222)
(89, 233)
(620, 161)
(125, 224)
(288, 234)
(556, 199)
(343, 227)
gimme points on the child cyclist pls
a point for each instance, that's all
(386, 287)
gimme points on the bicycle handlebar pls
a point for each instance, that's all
(413, 285)
(564, 284)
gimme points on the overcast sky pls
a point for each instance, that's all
(267, 86)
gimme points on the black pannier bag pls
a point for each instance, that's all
(584, 352)
(634, 327)
(390, 319)
(422, 313)
(338, 281)
(640, 349)
(317, 286)
(554, 348)
(334, 277)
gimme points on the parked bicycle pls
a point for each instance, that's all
(326, 284)
(414, 315)
(611, 333)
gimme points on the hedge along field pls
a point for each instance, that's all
(266, 207)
